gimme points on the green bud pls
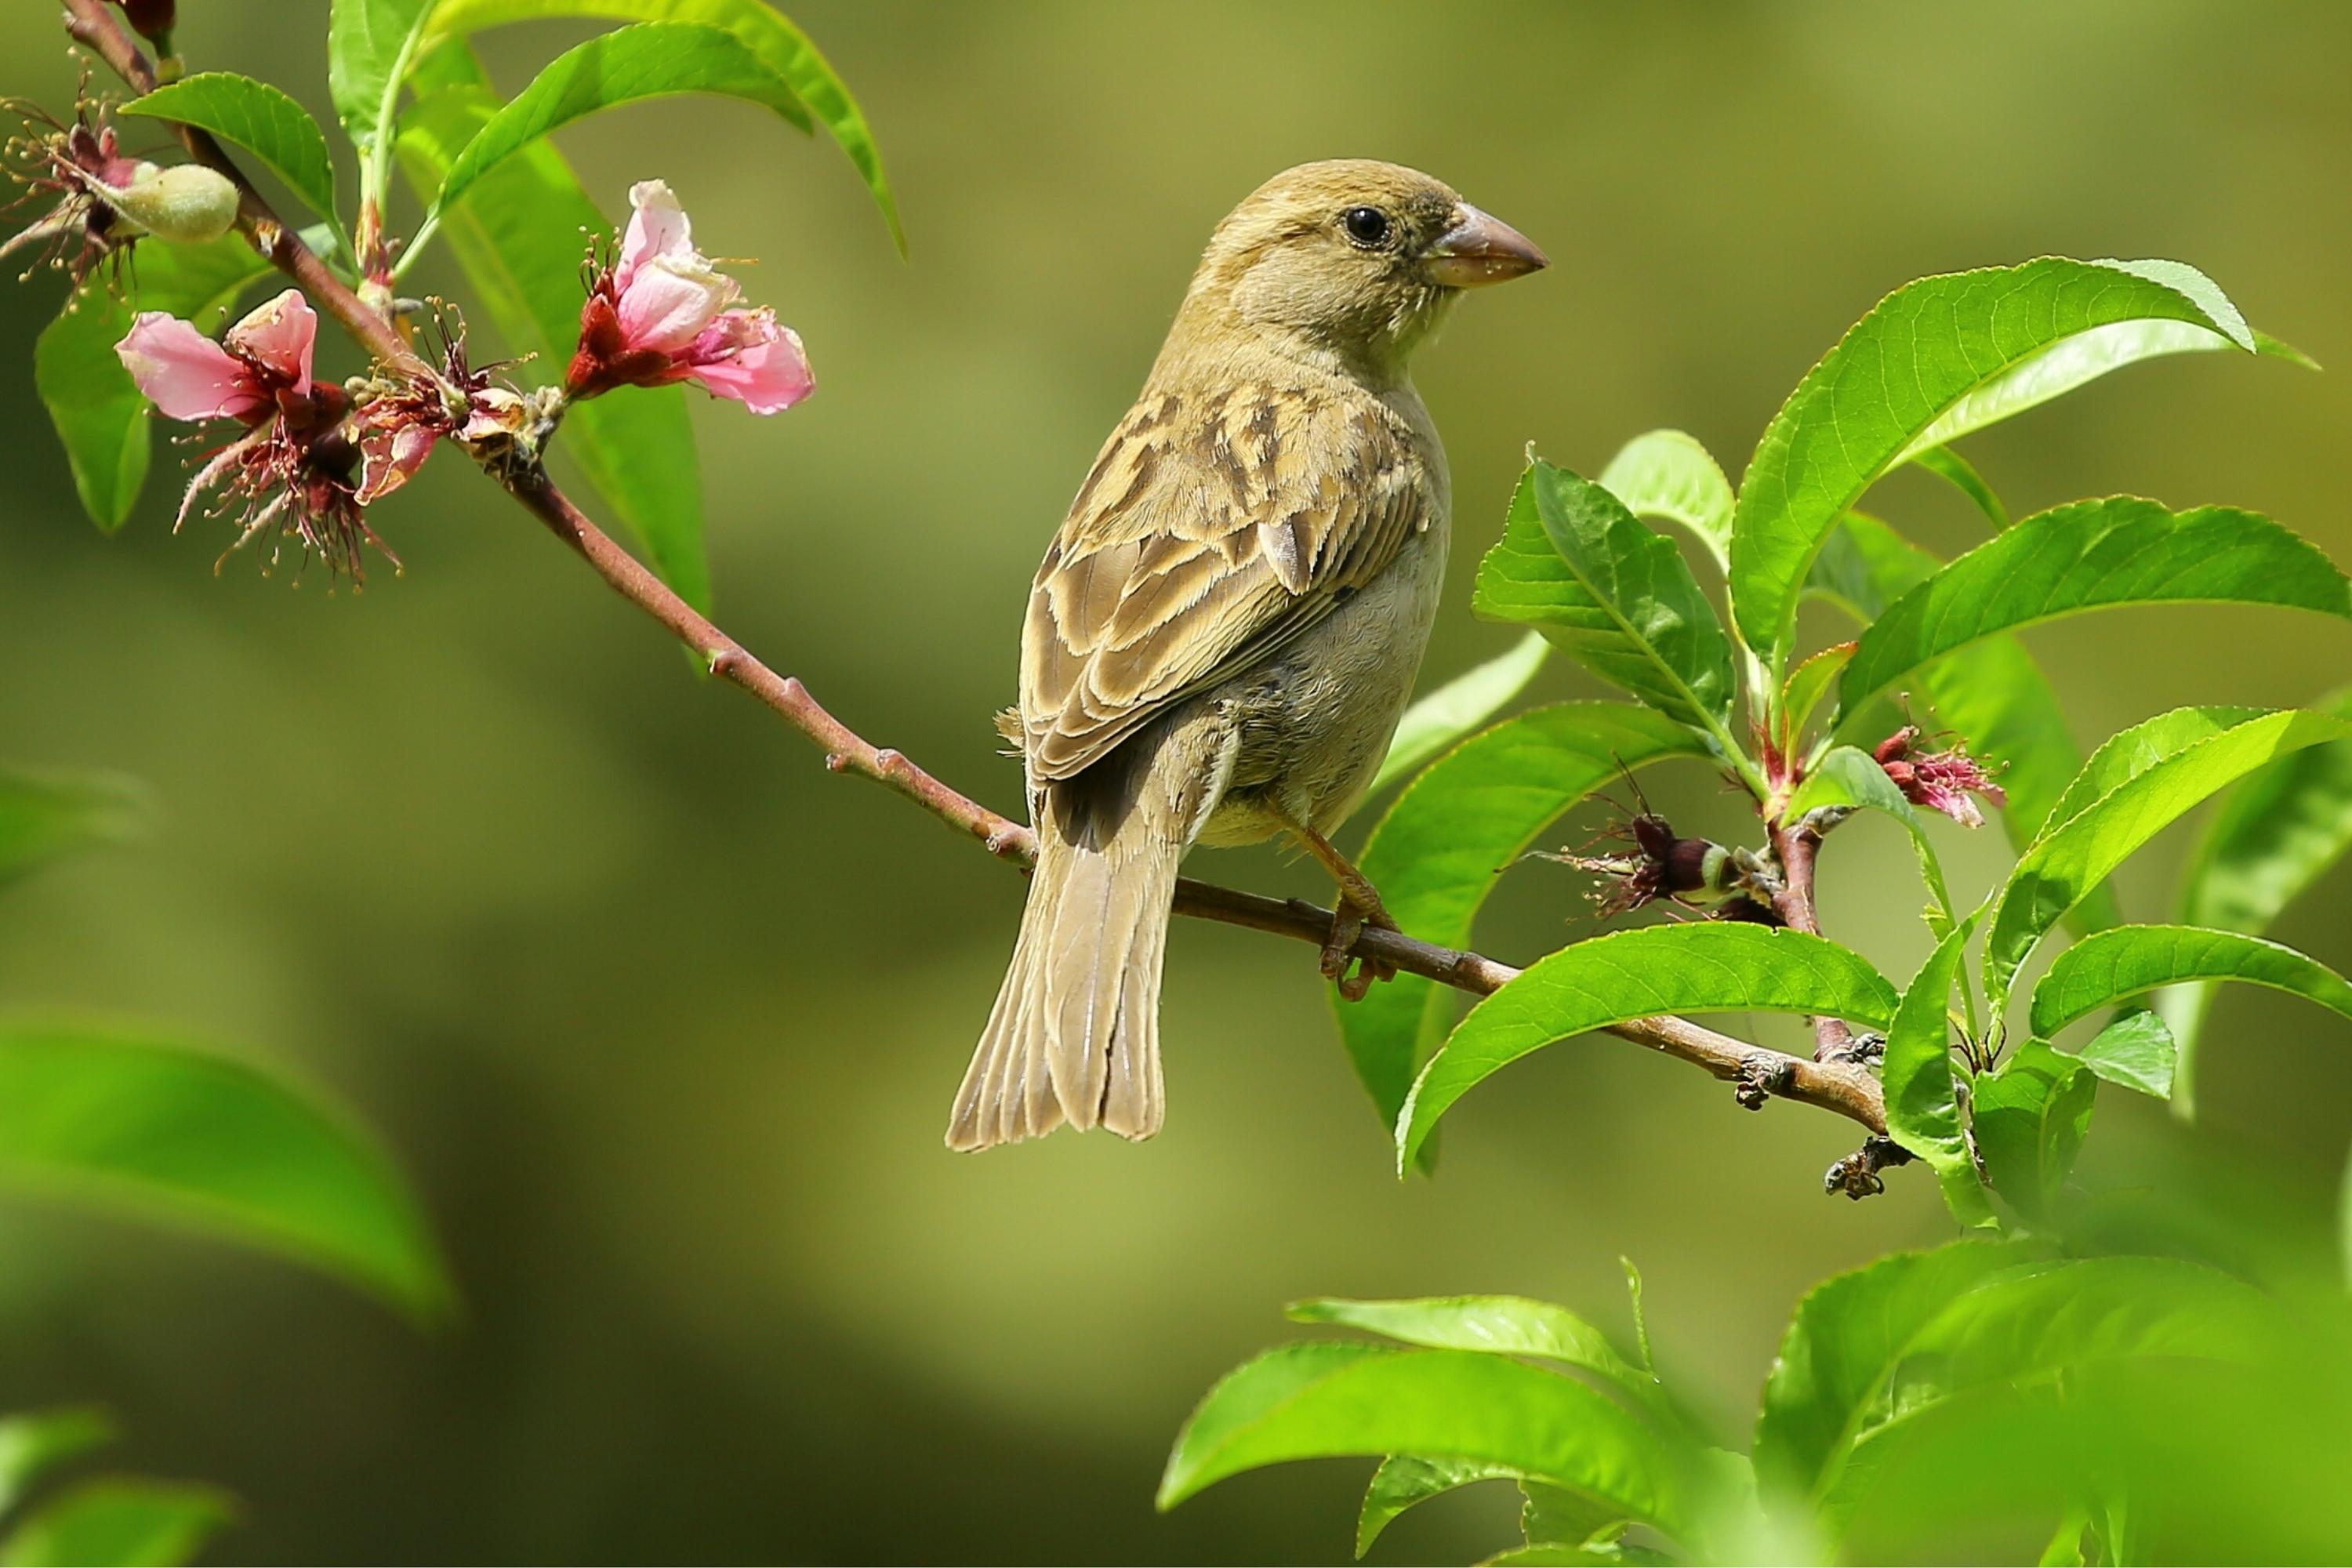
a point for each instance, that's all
(187, 204)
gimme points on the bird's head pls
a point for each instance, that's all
(1349, 259)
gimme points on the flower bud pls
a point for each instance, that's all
(187, 204)
(147, 18)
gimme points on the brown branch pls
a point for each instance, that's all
(1841, 1087)
(1798, 847)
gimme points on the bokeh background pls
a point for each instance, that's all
(664, 1020)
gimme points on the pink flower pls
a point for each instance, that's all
(294, 469)
(189, 376)
(1941, 781)
(663, 313)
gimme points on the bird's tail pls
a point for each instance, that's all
(1075, 1036)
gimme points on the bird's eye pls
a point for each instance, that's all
(1367, 226)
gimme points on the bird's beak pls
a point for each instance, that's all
(1480, 249)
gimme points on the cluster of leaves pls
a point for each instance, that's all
(1935, 361)
(411, 94)
(2131, 1397)
(149, 1124)
(1979, 1399)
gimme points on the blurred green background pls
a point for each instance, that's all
(665, 1021)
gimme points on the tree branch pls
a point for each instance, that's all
(1844, 1088)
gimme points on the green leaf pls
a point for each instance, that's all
(1840, 1350)
(1937, 359)
(2117, 965)
(33, 1444)
(1445, 715)
(1406, 1480)
(100, 414)
(367, 43)
(119, 1524)
(650, 60)
(1314, 1401)
(1923, 1113)
(1850, 778)
(778, 43)
(518, 242)
(258, 117)
(43, 816)
(2137, 1051)
(1502, 1325)
(1961, 475)
(1991, 692)
(2077, 855)
(2128, 754)
(1669, 473)
(2093, 554)
(1710, 966)
(1806, 686)
(1618, 598)
(2028, 1120)
(1446, 840)
(178, 1133)
(2273, 837)
(1560, 1525)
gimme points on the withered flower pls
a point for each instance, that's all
(1941, 781)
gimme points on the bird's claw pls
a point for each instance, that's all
(1347, 923)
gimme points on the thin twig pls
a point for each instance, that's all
(1844, 1088)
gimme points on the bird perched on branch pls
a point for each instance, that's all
(1224, 631)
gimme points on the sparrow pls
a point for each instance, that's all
(1223, 633)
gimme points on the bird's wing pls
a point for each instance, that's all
(1212, 530)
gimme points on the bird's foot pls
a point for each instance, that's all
(1347, 923)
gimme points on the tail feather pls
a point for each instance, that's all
(1075, 1034)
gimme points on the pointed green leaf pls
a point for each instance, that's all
(1923, 1113)
(1619, 599)
(650, 60)
(1444, 844)
(258, 117)
(2117, 965)
(1464, 703)
(1840, 1350)
(1937, 359)
(1849, 776)
(100, 415)
(2137, 1051)
(2029, 1119)
(1806, 686)
(520, 243)
(1667, 474)
(1406, 1480)
(157, 1129)
(2128, 754)
(1314, 1401)
(1961, 475)
(34, 1443)
(2076, 856)
(120, 1523)
(43, 816)
(2093, 554)
(1701, 967)
(367, 42)
(2273, 837)
(1503, 1325)
(768, 33)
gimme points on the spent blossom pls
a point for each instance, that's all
(295, 468)
(1941, 781)
(98, 199)
(661, 312)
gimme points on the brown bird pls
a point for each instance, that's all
(1224, 631)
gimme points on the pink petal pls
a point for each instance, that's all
(279, 336)
(767, 376)
(388, 458)
(669, 301)
(657, 226)
(185, 372)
